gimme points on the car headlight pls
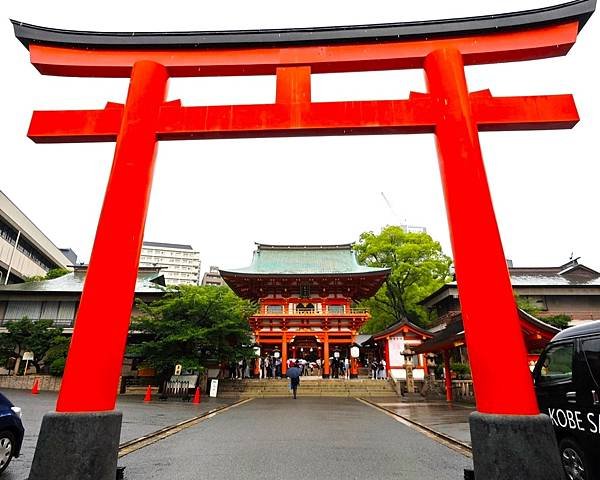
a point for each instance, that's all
(17, 411)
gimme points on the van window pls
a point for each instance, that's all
(558, 364)
(591, 349)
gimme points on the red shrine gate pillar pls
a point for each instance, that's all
(474, 235)
(507, 422)
(284, 354)
(326, 356)
(123, 215)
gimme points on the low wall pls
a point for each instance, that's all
(47, 382)
(462, 390)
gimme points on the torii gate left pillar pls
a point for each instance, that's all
(448, 110)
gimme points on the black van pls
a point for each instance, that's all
(567, 383)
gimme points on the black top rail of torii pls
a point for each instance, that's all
(579, 10)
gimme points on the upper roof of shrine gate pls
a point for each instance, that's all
(578, 10)
(324, 268)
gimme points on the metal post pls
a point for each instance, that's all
(11, 257)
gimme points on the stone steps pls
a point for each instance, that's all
(273, 388)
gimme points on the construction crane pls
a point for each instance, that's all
(402, 223)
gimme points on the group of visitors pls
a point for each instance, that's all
(340, 367)
(240, 369)
(378, 369)
(269, 366)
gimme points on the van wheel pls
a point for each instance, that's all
(7, 442)
(574, 461)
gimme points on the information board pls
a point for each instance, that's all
(214, 386)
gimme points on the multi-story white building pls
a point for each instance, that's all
(180, 264)
(24, 249)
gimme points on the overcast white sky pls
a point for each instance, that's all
(220, 196)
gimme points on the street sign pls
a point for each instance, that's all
(214, 386)
(28, 356)
(177, 369)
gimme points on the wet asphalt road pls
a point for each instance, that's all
(139, 419)
(310, 438)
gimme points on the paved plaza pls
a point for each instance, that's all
(449, 419)
(139, 419)
(277, 438)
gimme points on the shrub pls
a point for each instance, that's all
(57, 367)
(461, 369)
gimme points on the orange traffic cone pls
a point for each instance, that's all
(36, 387)
(196, 396)
(148, 396)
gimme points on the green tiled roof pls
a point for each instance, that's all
(304, 260)
(147, 282)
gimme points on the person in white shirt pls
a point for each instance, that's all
(382, 369)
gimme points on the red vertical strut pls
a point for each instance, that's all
(477, 247)
(100, 334)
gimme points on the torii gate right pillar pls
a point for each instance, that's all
(474, 235)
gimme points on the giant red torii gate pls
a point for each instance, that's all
(447, 109)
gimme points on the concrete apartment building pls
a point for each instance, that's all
(180, 264)
(213, 277)
(24, 250)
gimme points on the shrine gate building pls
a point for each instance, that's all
(306, 295)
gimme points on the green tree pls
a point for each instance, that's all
(418, 268)
(524, 304)
(191, 324)
(56, 272)
(56, 356)
(559, 321)
(27, 336)
(53, 273)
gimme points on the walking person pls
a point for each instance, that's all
(294, 375)
(347, 367)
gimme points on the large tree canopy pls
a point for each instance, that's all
(418, 268)
(191, 324)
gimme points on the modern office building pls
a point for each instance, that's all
(24, 249)
(180, 264)
(213, 277)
